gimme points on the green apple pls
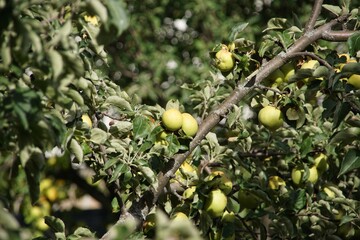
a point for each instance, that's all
(215, 203)
(179, 216)
(275, 182)
(224, 60)
(247, 199)
(276, 77)
(87, 120)
(313, 174)
(172, 119)
(223, 181)
(228, 217)
(288, 70)
(354, 80)
(189, 192)
(189, 125)
(320, 162)
(271, 117)
(297, 174)
(311, 64)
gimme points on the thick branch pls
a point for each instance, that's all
(336, 36)
(314, 15)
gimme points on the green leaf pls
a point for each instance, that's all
(76, 149)
(119, 102)
(298, 199)
(110, 163)
(346, 136)
(116, 24)
(98, 136)
(148, 173)
(276, 24)
(33, 169)
(353, 43)
(120, 169)
(121, 127)
(292, 114)
(97, 8)
(7, 220)
(236, 30)
(81, 233)
(306, 146)
(141, 127)
(351, 161)
(336, 10)
(341, 111)
(56, 224)
(174, 145)
(57, 63)
(75, 95)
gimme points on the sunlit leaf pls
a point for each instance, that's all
(56, 62)
(119, 102)
(336, 10)
(276, 24)
(76, 149)
(98, 136)
(141, 127)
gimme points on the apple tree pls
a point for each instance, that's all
(264, 144)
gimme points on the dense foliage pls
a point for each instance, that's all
(83, 89)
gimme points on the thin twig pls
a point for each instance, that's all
(313, 56)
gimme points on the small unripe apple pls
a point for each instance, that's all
(224, 60)
(189, 125)
(320, 162)
(189, 192)
(354, 80)
(271, 117)
(180, 216)
(276, 77)
(313, 175)
(297, 175)
(275, 182)
(216, 203)
(311, 64)
(172, 119)
(87, 120)
(288, 70)
(329, 192)
(228, 217)
(225, 183)
(247, 199)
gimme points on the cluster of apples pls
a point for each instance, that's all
(299, 175)
(353, 79)
(173, 120)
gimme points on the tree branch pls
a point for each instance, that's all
(314, 15)
(337, 36)
(312, 55)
